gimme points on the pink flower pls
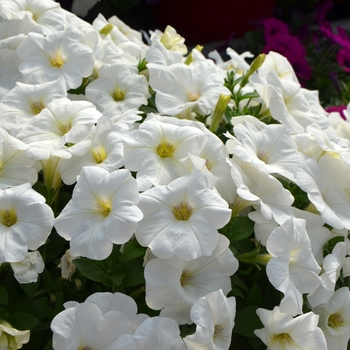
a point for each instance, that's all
(339, 109)
(290, 47)
(273, 26)
(343, 58)
(341, 38)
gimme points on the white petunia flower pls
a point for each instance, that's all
(26, 222)
(280, 64)
(156, 333)
(9, 74)
(59, 54)
(118, 89)
(118, 302)
(103, 149)
(130, 33)
(61, 124)
(101, 212)
(86, 327)
(156, 150)
(27, 270)
(182, 218)
(46, 13)
(282, 331)
(320, 141)
(15, 167)
(12, 338)
(331, 266)
(159, 55)
(174, 285)
(25, 101)
(326, 183)
(183, 89)
(272, 147)
(317, 232)
(257, 188)
(212, 161)
(132, 50)
(214, 316)
(289, 105)
(292, 269)
(335, 319)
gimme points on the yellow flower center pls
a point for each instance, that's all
(8, 217)
(57, 61)
(118, 95)
(208, 164)
(105, 207)
(335, 320)
(263, 156)
(193, 96)
(99, 154)
(283, 339)
(184, 277)
(64, 127)
(165, 150)
(37, 107)
(85, 347)
(218, 328)
(182, 211)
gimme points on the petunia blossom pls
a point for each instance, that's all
(101, 212)
(182, 218)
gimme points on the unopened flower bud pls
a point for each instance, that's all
(189, 57)
(256, 64)
(106, 29)
(219, 111)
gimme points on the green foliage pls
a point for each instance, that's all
(119, 271)
(238, 228)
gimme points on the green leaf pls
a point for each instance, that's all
(54, 247)
(4, 314)
(249, 95)
(48, 282)
(246, 321)
(48, 346)
(44, 308)
(132, 250)
(23, 321)
(118, 279)
(238, 228)
(146, 109)
(31, 288)
(28, 307)
(134, 273)
(236, 292)
(90, 269)
(3, 296)
(254, 296)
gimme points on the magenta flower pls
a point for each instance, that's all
(290, 47)
(343, 58)
(341, 38)
(273, 26)
(339, 109)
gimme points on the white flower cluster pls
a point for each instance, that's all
(71, 96)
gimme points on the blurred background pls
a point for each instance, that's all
(206, 21)
(312, 34)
